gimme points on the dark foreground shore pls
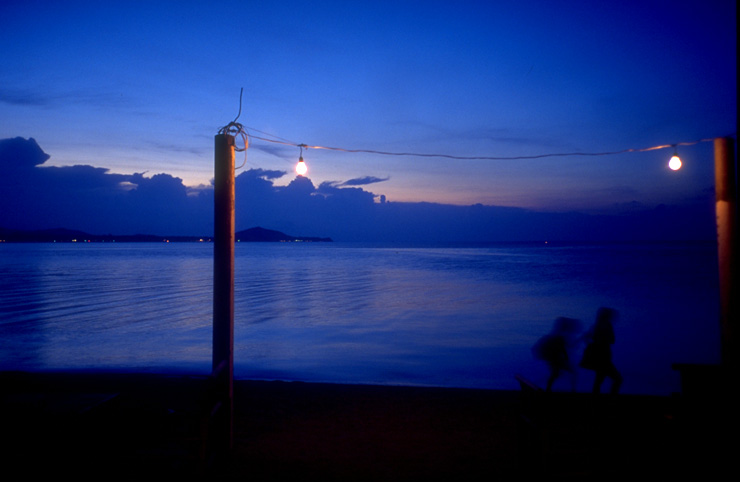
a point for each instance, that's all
(109, 425)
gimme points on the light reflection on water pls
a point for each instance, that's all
(357, 314)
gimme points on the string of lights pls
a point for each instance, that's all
(234, 128)
(489, 158)
(675, 162)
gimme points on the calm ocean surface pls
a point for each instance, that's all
(463, 316)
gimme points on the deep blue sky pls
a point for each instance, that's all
(142, 87)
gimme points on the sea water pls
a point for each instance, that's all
(462, 316)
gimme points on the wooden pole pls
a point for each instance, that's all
(223, 295)
(725, 181)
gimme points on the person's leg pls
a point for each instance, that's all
(616, 379)
(598, 380)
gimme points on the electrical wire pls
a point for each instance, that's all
(234, 128)
(241, 92)
(278, 140)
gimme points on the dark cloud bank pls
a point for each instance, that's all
(93, 200)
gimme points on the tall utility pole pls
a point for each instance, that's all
(725, 185)
(222, 416)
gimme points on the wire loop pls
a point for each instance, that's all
(235, 129)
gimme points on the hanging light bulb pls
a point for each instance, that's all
(675, 162)
(301, 168)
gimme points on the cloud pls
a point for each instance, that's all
(21, 153)
(173, 147)
(363, 181)
(91, 199)
(280, 151)
(22, 98)
(264, 173)
(26, 97)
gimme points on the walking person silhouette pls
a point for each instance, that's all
(598, 353)
(556, 349)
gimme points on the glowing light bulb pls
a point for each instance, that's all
(301, 168)
(675, 162)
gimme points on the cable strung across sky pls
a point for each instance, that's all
(489, 158)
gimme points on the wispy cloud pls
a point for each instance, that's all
(172, 147)
(363, 181)
(23, 98)
(283, 152)
(37, 98)
(264, 174)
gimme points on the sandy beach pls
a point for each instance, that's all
(102, 424)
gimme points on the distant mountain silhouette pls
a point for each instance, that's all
(12, 235)
(62, 235)
(260, 234)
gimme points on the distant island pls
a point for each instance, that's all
(263, 235)
(61, 235)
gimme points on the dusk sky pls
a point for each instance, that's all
(143, 87)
